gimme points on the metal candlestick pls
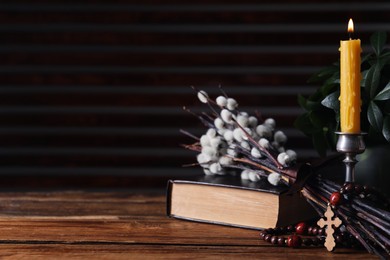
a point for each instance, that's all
(351, 145)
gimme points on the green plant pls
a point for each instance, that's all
(321, 118)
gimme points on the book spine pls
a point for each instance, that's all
(169, 197)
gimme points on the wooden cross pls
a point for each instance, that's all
(331, 225)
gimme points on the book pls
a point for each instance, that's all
(228, 200)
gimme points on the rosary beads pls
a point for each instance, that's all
(276, 236)
(315, 235)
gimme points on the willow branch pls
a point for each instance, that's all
(243, 160)
(265, 151)
(189, 134)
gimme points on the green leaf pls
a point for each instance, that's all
(323, 74)
(331, 137)
(363, 82)
(334, 78)
(386, 108)
(367, 79)
(378, 40)
(385, 55)
(313, 105)
(332, 101)
(302, 101)
(386, 128)
(365, 57)
(328, 89)
(316, 119)
(320, 143)
(373, 78)
(303, 123)
(337, 119)
(384, 94)
(375, 116)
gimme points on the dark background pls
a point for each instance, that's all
(91, 92)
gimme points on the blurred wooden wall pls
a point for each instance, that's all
(91, 92)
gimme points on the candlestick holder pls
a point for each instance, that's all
(350, 144)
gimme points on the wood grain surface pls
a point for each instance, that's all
(122, 225)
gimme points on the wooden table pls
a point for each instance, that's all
(121, 225)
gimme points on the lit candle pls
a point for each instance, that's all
(350, 77)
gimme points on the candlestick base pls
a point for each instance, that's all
(350, 144)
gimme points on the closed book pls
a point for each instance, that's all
(228, 200)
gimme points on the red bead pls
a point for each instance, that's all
(358, 188)
(274, 240)
(277, 230)
(268, 238)
(301, 228)
(309, 230)
(339, 238)
(315, 241)
(290, 228)
(349, 187)
(335, 198)
(281, 241)
(294, 241)
(307, 241)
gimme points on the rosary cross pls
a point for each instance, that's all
(332, 224)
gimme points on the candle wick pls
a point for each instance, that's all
(350, 35)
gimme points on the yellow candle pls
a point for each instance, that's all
(350, 77)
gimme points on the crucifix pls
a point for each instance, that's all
(331, 224)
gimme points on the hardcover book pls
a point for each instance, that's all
(230, 201)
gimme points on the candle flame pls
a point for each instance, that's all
(350, 26)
